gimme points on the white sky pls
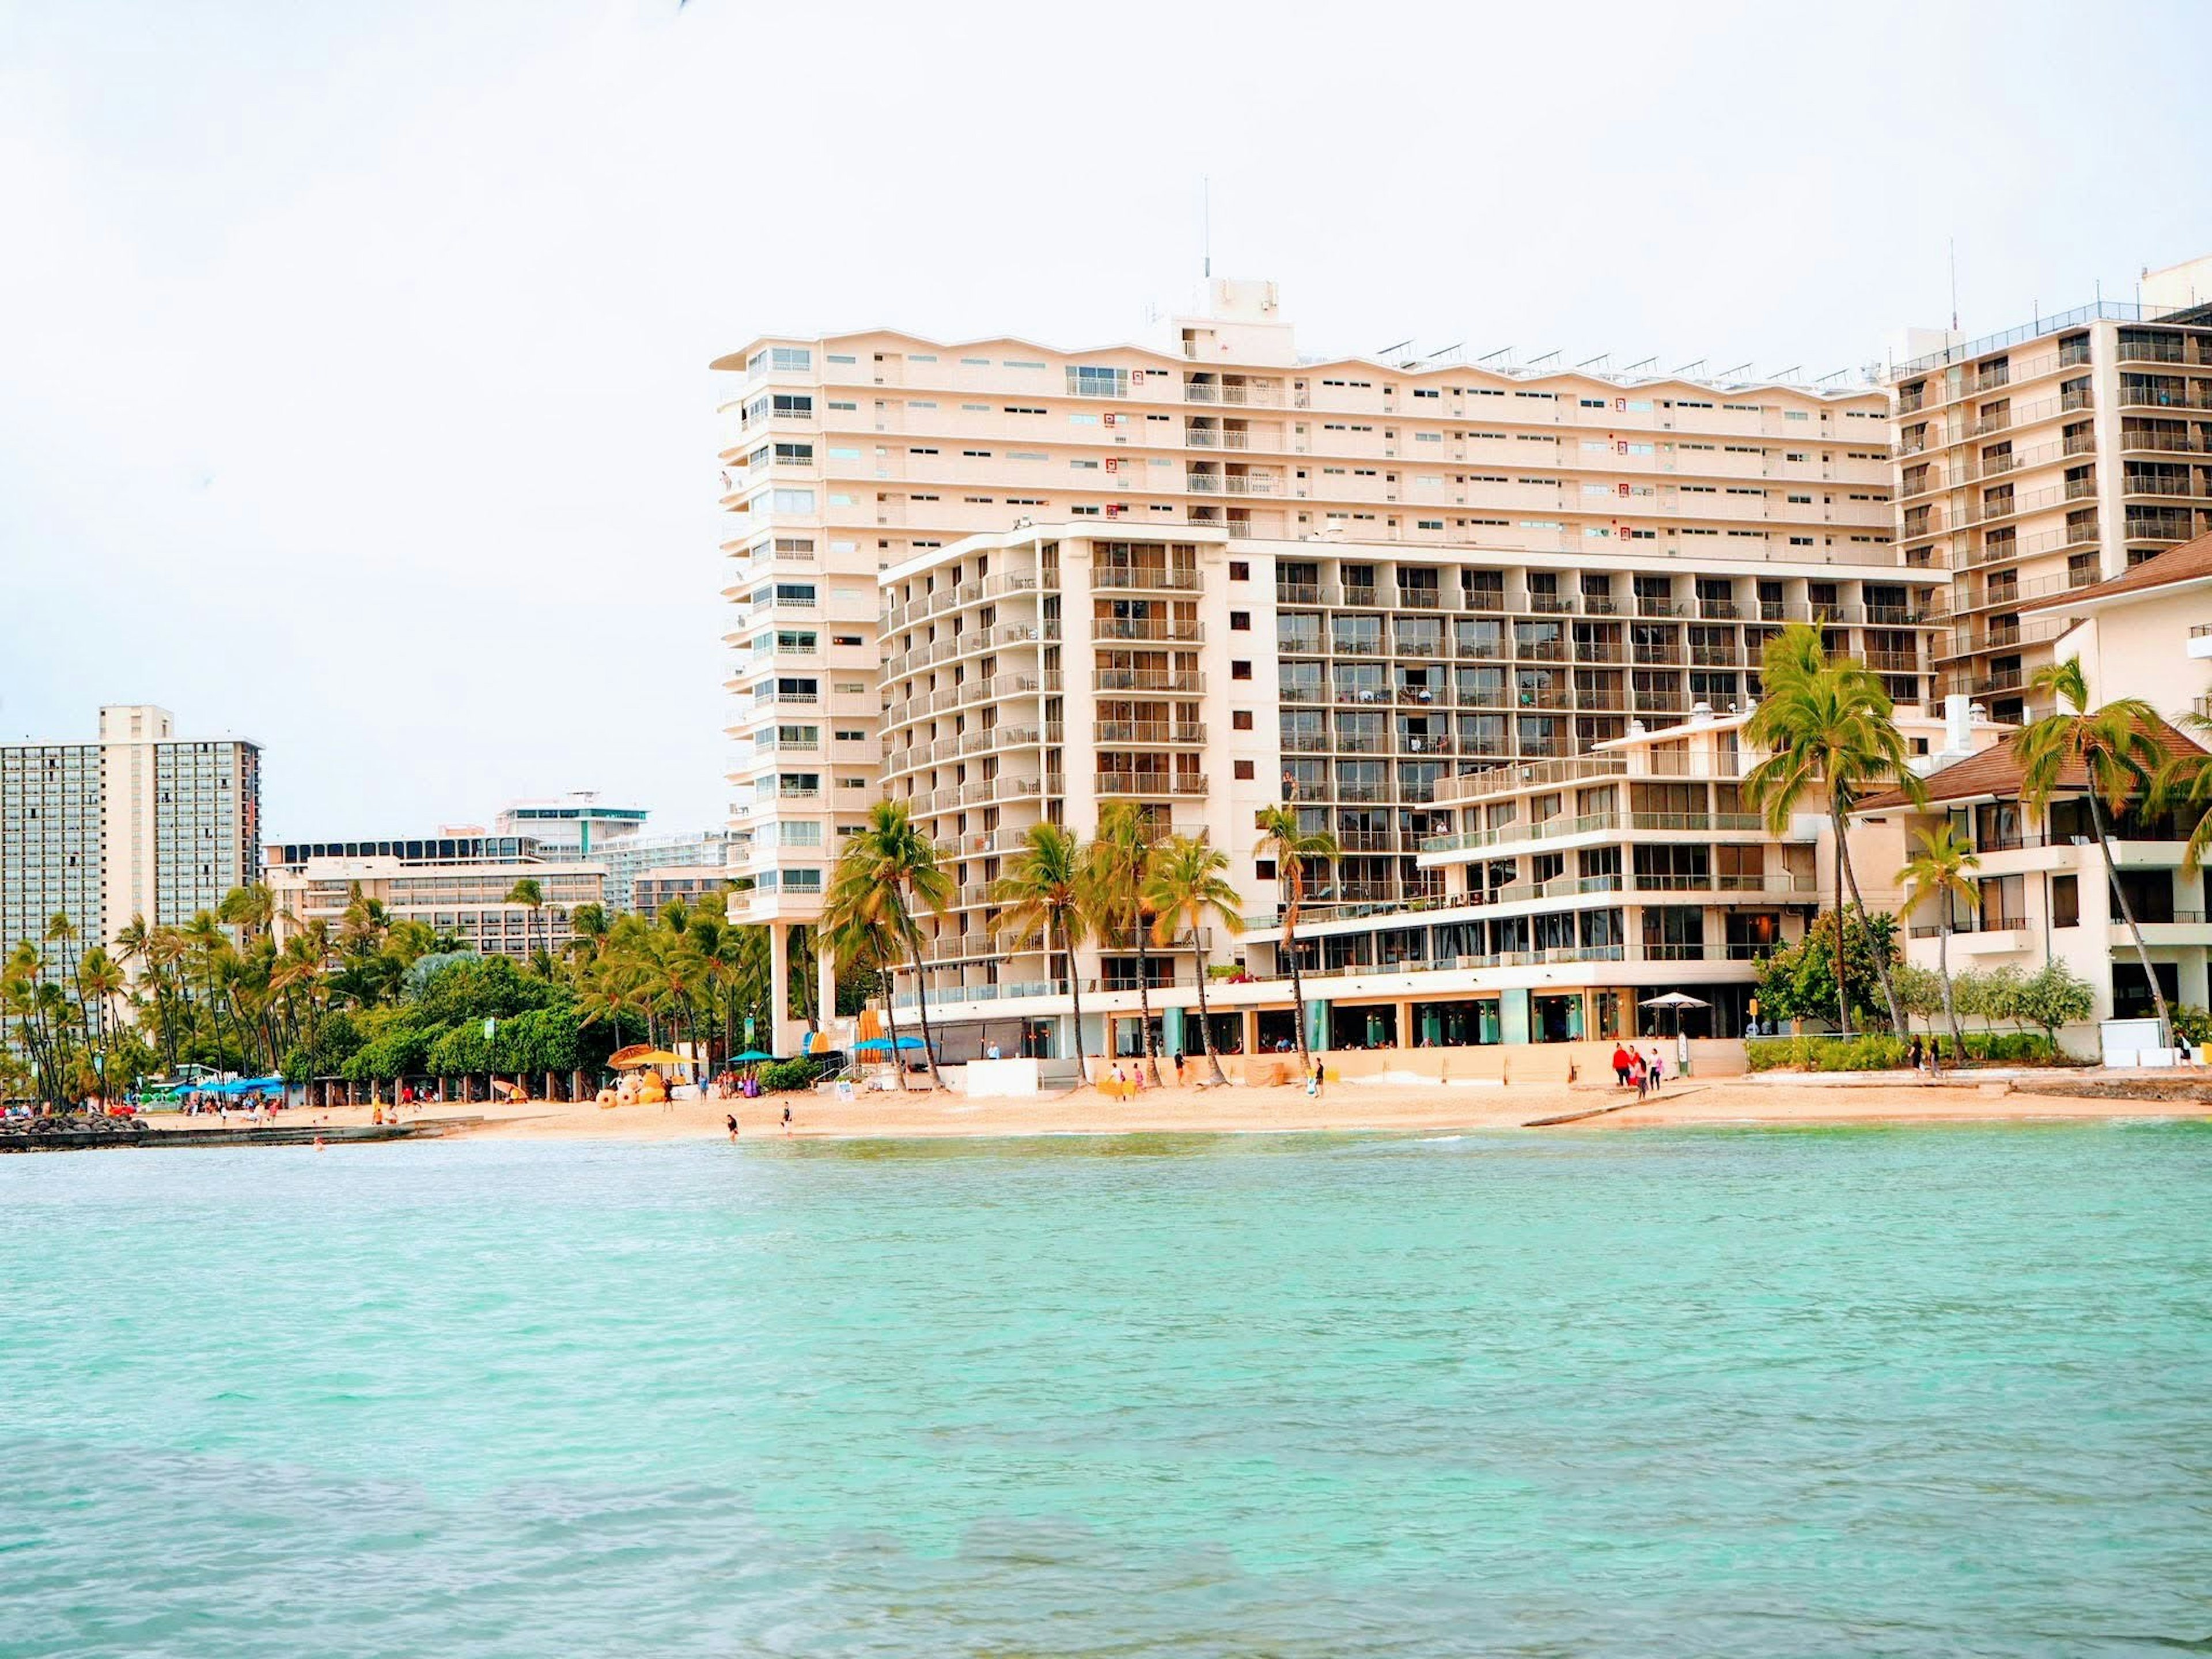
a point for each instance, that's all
(353, 397)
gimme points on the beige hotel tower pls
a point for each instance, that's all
(1581, 550)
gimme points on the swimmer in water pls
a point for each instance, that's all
(732, 1120)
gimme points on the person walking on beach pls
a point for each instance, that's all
(1638, 1073)
(1916, 1054)
(1319, 1078)
(1619, 1066)
(1178, 1068)
(787, 1119)
(1658, 1069)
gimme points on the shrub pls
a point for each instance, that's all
(1873, 1052)
(777, 1075)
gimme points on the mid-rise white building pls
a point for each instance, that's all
(458, 884)
(1419, 704)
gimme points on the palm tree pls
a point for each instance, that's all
(530, 893)
(1041, 892)
(252, 907)
(61, 933)
(888, 871)
(863, 939)
(2185, 789)
(1827, 726)
(1117, 867)
(1292, 846)
(203, 936)
(1187, 887)
(2112, 750)
(587, 931)
(1943, 869)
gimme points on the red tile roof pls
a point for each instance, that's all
(2190, 562)
(1996, 771)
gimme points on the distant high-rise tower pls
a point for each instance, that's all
(137, 822)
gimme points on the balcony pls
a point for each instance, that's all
(2200, 643)
(1149, 784)
(1151, 731)
(1180, 628)
(1164, 579)
(1148, 679)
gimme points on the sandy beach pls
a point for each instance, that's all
(1341, 1107)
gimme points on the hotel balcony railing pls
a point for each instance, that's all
(1176, 579)
(1893, 662)
(1148, 679)
(1421, 598)
(1147, 628)
(1540, 650)
(1134, 783)
(1259, 394)
(1113, 732)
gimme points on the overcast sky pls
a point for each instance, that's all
(353, 393)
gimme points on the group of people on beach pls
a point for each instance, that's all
(1631, 1067)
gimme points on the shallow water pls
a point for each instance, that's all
(1757, 1393)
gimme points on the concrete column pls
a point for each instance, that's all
(1316, 1025)
(1172, 1033)
(825, 980)
(1406, 1032)
(779, 983)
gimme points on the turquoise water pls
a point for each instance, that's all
(1722, 1393)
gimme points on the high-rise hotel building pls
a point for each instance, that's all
(847, 454)
(2050, 457)
(137, 822)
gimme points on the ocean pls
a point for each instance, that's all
(1743, 1392)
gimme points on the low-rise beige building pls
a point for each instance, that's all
(456, 885)
(2043, 887)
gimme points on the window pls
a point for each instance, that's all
(791, 358)
(1240, 671)
(1245, 771)
(1240, 720)
(1240, 570)
(2066, 901)
(1240, 621)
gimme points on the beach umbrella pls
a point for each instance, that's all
(753, 1053)
(1676, 1000)
(631, 1059)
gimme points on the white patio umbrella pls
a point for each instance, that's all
(1676, 1000)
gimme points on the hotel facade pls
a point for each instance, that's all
(2049, 457)
(455, 884)
(1500, 743)
(137, 822)
(1502, 497)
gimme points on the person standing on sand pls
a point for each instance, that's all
(1319, 1078)
(1637, 1072)
(1178, 1068)
(787, 1119)
(1658, 1069)
(1916, 1054)
(1620, 1066)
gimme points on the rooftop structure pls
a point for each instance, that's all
(458, 886)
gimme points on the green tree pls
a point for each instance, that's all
(886, 876)
(1827, 726)
(1943, 869)
(1188, 887)
(530, 893)
(2110, 754)
(2053, 996)
(1292, 846)
(1117, 867)
(1798, 981)
(1043, 892)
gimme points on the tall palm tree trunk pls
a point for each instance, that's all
(1843, 988)
(1880, 956)
(891, 1024)
(1144, 1005)
(1943, 969)
(1075, 997)
(2128, 913)
(1297, 984)
(922, 1007)
(1205, 1022)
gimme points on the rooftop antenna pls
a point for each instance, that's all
(1546, 358)
(1784, 374)
(1456, 345)
(1730, 373)
(1206, 225)
(1695, 363)
(1487, 355)
(1641, 362)
(1384, 354)
(1837, 375)
(1955, 285)
(1602, 357)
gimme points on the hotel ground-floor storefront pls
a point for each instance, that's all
(1348, 1014)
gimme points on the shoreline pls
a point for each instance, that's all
(1343, 1109)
